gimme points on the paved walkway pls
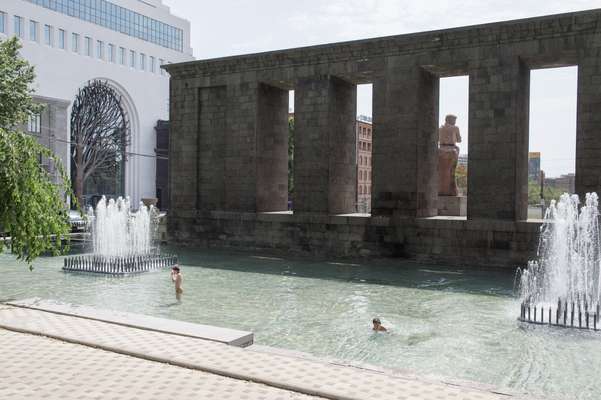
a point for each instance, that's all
(53, 367)
(34, 367)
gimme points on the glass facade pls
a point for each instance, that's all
(18, 26)
(61, 39)
(120, 19)
(48, 35)
(2, 22)
(33, 31)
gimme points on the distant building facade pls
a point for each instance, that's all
(566, 183)
(364, 150)
(534, 166)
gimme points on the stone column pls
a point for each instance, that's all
(210, 142)
(588, 125)
(240, 162)
(498, 138)
(183, 147)
(404, 160)
(325, 175)
(272, 149)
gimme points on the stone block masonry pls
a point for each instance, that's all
(228, 161)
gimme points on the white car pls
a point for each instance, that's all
(78, 223)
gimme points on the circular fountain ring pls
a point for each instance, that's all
(122, 241)
(563, 286)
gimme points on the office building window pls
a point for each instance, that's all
(33, 31)
(48, 35)
(34, 124)
(99, 49)
(161, 62)
(88, 46)
(142, 61)
(132, 59)
(61, 39)
(119, 19)
(18, 26)
(75, 42)
(111, 52)
(122, 55)
(2, 22)
(151, 62)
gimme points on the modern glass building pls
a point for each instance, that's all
(123, 42)
(120, 19)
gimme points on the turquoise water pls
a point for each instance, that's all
(448, 323)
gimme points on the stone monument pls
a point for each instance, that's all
(449, 201)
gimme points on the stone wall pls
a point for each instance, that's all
(227, 117)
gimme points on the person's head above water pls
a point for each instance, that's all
(378, 325)
(176, 269)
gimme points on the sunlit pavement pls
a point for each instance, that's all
(85, 359)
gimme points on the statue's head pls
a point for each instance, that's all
(450, 119)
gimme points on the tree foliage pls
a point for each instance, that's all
(99, 133)
(32, 208)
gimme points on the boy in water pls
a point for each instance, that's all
(378, 325)
(176, 277)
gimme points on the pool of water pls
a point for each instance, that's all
(444, 323)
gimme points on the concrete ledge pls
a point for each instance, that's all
(222, 335)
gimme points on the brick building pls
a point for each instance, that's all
(364, 142)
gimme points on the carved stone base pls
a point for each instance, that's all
(452, 205)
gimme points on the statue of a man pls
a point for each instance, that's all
(448, 155)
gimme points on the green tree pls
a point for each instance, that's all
(549, 193)
(32, 208)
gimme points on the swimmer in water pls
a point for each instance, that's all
(378, 325)
(176, 277)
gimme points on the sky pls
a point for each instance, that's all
(233, 27)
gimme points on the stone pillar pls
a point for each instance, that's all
(325, 175)
(588, 125)
(404, 160)
(240, 162)
(183, 147)
(272, 149)
(498, 138)
(209, 154)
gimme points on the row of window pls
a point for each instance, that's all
(364, 132)
(364, 189)
(100, 50)
(364, 160)
(120, 19)
(364, 175)
(364, 146)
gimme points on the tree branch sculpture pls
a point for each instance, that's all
(99, 133)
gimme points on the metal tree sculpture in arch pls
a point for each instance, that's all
(100, 133)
